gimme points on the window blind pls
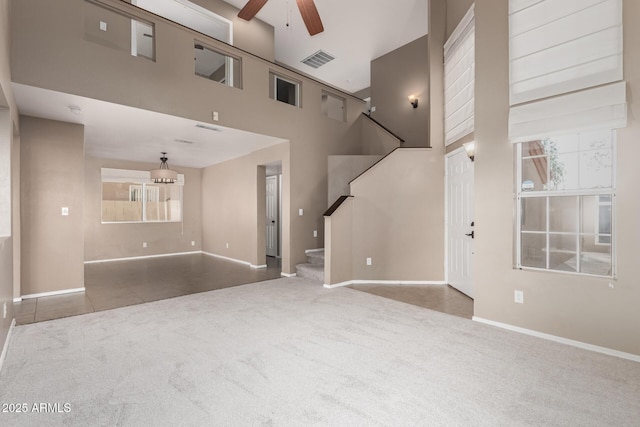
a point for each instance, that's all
(559, 46)
(603, 107)
(459, 61)
(564, 58)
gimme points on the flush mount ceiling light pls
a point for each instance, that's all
(163, 175)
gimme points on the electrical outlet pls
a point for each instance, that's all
(300, 212)
(103, 26)
(214, 116)
(193, 243)
(64, 211)
(518, 296)
(373, 109)
(315, 233)
(369, 261)
(144, 244)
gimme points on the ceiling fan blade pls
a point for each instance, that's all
(250, 9)
(310, 16)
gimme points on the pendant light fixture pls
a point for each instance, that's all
(164, 175)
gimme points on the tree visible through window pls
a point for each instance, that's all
(565, 203)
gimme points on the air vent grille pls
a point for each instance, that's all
(318, 59)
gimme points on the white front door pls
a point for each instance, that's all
(460, 222)
(272, 216)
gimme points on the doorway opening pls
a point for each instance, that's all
(273, 211)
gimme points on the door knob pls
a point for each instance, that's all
(472, 234)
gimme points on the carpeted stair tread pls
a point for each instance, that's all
(310, 271)
(316, 257)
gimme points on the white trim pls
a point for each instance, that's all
(5, 346)
(239, 261)
(54, 293)
(308, 251)
(288, 274)
(386, 282)
(567, 341)
(141, 257)
(19, 299)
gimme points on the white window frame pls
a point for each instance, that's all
(139, 179)
(547, 194)
(296, 84)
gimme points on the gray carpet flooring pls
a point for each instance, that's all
(289, 352)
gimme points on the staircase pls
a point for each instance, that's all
(313, 269)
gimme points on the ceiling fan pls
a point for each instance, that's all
(308, 10)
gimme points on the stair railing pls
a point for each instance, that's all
(386, 129)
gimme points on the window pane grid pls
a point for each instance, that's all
(565, 193)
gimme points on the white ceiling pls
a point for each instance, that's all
(355, 32)
(121, 132)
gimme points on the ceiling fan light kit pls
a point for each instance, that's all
(307, 8)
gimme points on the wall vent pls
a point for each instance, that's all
(318, 59)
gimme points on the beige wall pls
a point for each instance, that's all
(52, 176)
(49, 32)
(338, 267)
(342, 169)
(394, 77)
(109, 241)
(376, 140)
(597, 311)
(233, 206)
(8, 120)
(398, 217)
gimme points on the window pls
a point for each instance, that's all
(216, 66)
(129, 196)
(566, 197)
(285, 90)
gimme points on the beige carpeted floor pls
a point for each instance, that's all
(289, 352)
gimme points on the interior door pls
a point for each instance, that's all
(272, 216)
(460, 222)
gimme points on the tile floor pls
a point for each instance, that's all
(441, 298)
(122, 283)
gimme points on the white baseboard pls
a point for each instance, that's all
(567, 341)
(141, 257)
(5, 346)
(19, 299)
(239, 261)
(308, 251)
(386, 282)
(50, 294)
(288, 274)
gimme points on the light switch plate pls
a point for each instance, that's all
(300, 212)
(64, 211)
(369, 261)
(103, 26)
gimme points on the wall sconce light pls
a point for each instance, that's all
(414, 101)
(470, 148)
